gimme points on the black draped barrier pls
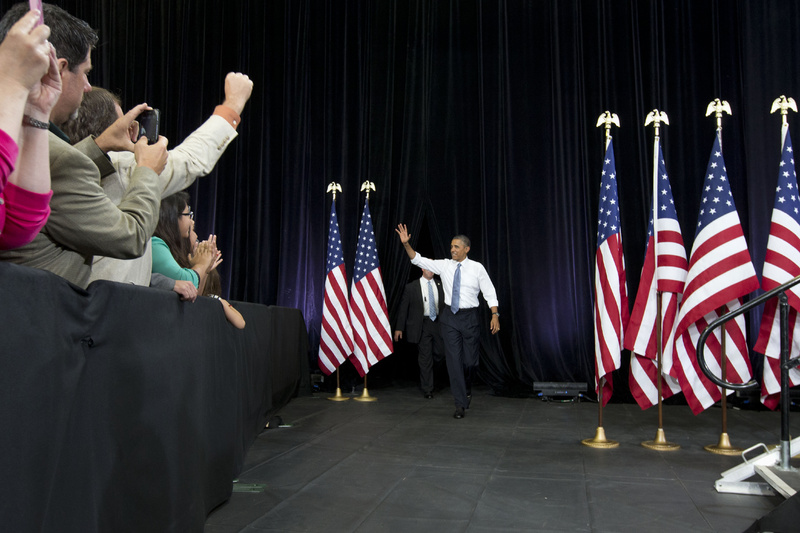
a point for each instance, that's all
(125, 409)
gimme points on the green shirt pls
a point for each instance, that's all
(165, 264)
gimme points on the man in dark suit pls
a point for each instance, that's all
(420, 307)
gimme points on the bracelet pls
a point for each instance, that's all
(28, 120)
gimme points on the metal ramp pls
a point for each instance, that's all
(772, 465)
(777, 479)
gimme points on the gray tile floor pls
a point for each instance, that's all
(403, 464)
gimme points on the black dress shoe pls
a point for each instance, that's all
(459, 412)
(429, 395)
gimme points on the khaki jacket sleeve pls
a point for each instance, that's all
(84, 219)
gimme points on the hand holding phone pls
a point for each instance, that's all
(149, 120)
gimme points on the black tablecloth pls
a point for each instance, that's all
(125, 409)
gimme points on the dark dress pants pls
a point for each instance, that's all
(429, 350)
(461, 335)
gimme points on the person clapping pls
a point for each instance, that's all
(172, 255)
(178, 255)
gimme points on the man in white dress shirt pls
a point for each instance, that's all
(462, 280)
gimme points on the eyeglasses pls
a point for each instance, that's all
(190, 214)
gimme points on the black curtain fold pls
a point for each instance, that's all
(470, 117)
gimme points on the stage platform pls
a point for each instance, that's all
(404, 464)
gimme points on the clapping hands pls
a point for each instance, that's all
(205, 255)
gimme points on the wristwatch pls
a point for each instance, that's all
(496, 314)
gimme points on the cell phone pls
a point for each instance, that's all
(37, 4)
(148, 125)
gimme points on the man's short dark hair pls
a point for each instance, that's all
(97, 112)
(464, 239)
(71, 37)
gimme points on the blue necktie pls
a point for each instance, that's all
(455, 300)
(431, 302)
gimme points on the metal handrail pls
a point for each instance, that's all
(752, 384)
(780, 292)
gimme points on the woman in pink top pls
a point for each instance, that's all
(29, 89)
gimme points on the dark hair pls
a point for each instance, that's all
(462, 238)
(96, 113)
(71, 37)
(213, 284)
(168, 228)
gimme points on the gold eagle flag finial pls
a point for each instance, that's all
(656, 117)
(367, 186)
(784, 104)
(335, 187)
(718, 107)
(608, 119)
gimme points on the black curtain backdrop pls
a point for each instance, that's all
(474, 117)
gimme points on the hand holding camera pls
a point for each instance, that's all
(117, 137)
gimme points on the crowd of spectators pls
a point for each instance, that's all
(82, 193)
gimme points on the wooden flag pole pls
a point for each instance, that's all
(607, 119)
(723, 447)
(659, 443)
(365, 397)
(338, 396)
(599, 440)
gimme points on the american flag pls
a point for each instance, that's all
(611, 295)
(640, 336)
(720, 274)
(782, 264)
(336, 339)
(371, 330)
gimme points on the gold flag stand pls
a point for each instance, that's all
(659, 443)
(599, 440)
(723, 447)
(607, 119)
(365, 397)
(338, 396)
